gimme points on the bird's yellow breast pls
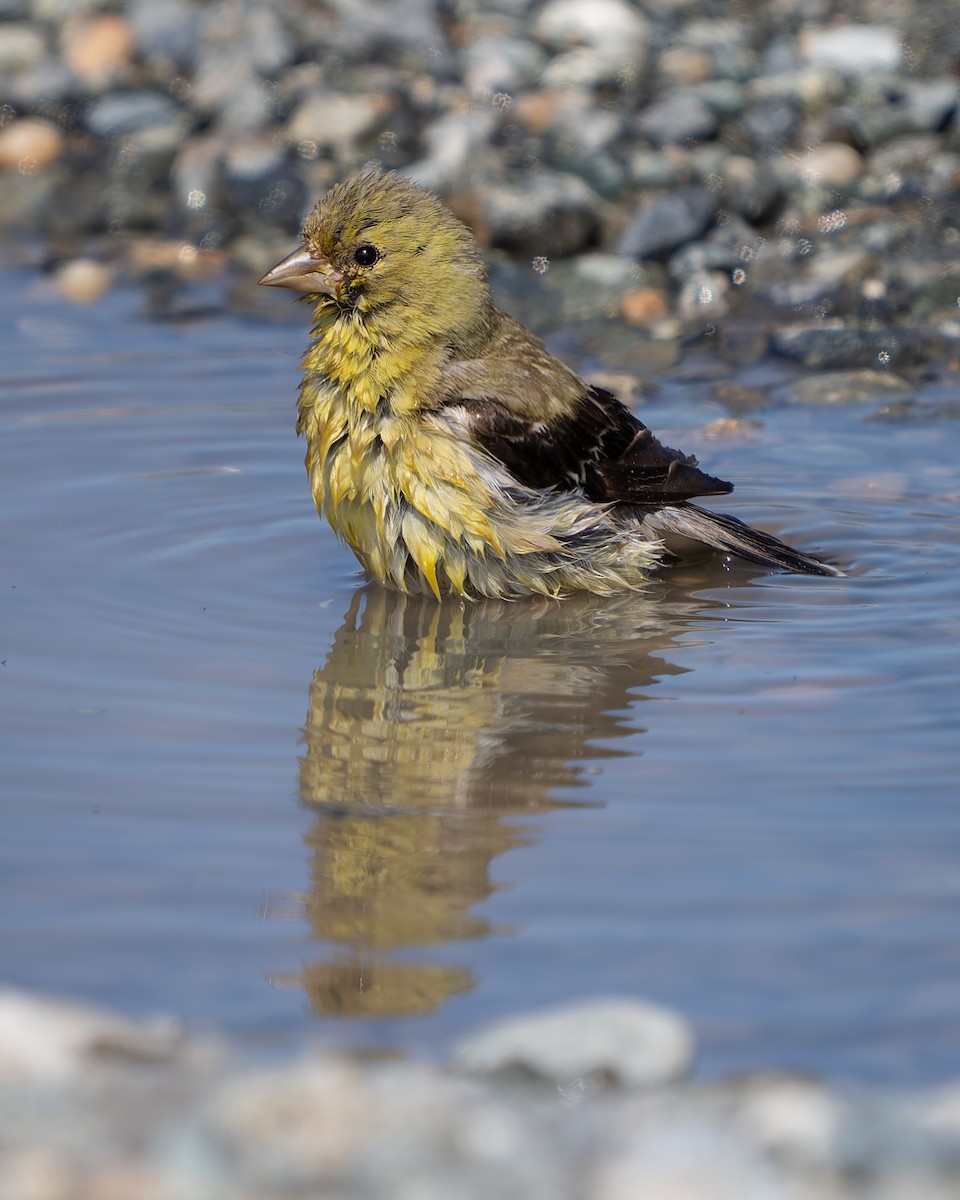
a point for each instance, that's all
(392, 481)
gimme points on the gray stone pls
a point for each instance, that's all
(546, 214)
(170, 30)
(848, 387)
(828, 345)
(677, 118)
(932, 104)
(21, 46)
(501, 64)
(635, 1044)
(126, 112)
(669, 222)
(821, 277)
(454, 142)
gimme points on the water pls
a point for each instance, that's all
(242, 787)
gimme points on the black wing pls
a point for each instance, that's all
(601, 448)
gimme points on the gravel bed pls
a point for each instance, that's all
(696, 167)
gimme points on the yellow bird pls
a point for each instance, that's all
(448, 447)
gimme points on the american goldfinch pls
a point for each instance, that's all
(448, 447)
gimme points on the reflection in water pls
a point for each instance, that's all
(428, 727)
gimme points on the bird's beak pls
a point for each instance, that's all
(304, 272)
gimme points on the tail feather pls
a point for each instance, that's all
(731, 536)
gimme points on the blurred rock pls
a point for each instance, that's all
(645, 306)
(329, 119)
(854, 49)
(82, 280)
(604, 41)
(705, 296)
(167, 32)
(634, 1044)
(683, 65)
(545, 214)
(97, 48)
(21, 46)
(127, 112)
(677, 118)
(103, 1108)
(668, 223)
(848, 387)
(821, 277)
(831, 165)
(30, 144)
(501, 65)
(827, 345)
(454, 142)
(257, 178)
(55, 1040)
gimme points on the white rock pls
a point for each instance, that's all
(853, 49)
(55, 1039)
(635, 1043)
(798, 1117)
(604, 40)
(565, 23)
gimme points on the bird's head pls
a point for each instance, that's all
(382, 247)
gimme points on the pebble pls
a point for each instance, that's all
(677, 118)
(328, 119)
(849, 387)
(501, 65)
(854, 49)
(97, 48)
(634, 1044)
(830, 344)
(705, 296)
(600, 42)
(30, 144)
(669, 222)
(43, 1039)
(546, 215)
(83, 280)
(645, 306)
(821, 278)
(21, 46)
(831, 165)
(127, 112)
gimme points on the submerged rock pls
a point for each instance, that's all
(848, 387)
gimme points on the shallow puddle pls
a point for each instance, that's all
(242, 787)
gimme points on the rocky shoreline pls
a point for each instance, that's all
(590, 1101)
(774, 178)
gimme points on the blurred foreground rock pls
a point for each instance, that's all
(97, 1106)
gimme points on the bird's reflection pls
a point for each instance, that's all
(431, 728)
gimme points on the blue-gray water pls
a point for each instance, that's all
(240, 787)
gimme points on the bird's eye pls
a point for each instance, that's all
(366, 255)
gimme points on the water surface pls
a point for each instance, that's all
(243, 787)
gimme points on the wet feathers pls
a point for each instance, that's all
(448, 447)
